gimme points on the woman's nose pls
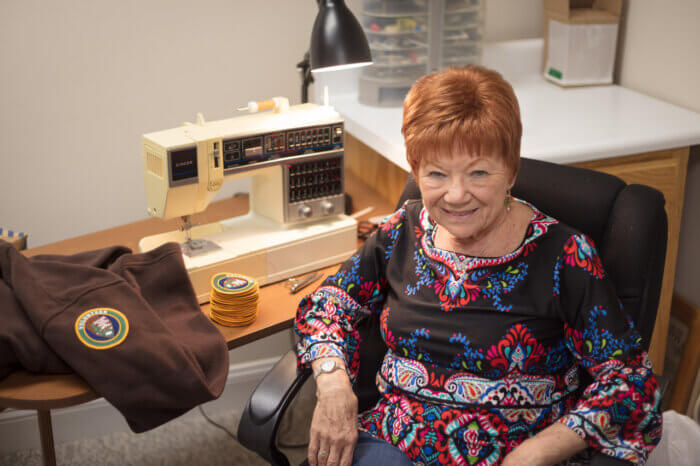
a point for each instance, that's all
(457, 192)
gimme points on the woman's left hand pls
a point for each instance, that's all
(551, 446)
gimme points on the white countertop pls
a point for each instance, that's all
(559, 125)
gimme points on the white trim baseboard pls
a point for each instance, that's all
(19, 429)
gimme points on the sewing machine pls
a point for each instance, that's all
(294, 157)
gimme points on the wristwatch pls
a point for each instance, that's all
(327, 367)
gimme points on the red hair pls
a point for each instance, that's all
(462, 110)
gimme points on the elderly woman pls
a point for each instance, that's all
(490, 310)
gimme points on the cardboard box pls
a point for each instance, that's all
(15, 238)
(580, 41)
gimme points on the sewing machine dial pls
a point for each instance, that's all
(327, 207)
(305, 211)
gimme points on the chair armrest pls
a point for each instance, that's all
(257, 429)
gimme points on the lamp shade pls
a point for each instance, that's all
(337, 39)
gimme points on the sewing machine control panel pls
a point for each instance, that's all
(315, 187)
(238, 152)
(312, 165)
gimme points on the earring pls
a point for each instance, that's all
(508, 200)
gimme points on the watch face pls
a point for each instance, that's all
(327, 365)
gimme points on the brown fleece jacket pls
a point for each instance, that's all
(170, 359)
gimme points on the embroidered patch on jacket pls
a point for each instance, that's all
(101, 328)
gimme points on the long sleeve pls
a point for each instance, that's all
(326, 318)
(618, 413)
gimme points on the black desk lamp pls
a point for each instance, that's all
(337, 42)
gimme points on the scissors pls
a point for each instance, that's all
(295, 285)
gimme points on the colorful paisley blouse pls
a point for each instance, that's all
(485, 352)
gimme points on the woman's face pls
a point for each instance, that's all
(465, 194)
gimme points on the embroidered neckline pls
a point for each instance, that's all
(460, 264)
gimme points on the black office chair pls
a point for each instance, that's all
(627, 223)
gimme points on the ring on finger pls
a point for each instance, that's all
(322, 453)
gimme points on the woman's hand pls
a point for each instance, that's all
(334, 424)
(552, 445)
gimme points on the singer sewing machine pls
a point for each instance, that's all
(295, 159)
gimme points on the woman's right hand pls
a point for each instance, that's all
(333, 431)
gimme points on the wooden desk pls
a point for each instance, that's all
(276, 311)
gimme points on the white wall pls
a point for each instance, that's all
(661, 58)
(81, 81)
(513, 19)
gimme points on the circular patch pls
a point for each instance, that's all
(232, 283)
(101, 328)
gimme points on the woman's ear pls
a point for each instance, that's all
(511, 183)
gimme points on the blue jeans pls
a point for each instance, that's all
(371, 451)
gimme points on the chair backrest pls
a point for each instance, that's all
(628, 224)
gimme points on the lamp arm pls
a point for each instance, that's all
(304, 66)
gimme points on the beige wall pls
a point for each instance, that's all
(513, 19)
(660, 57)
(81, 81)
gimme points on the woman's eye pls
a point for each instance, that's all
(479, 173)
(435, 174)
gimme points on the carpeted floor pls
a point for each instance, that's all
(188, 441)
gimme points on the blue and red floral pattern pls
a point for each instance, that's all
(484, 353)
(580, 252)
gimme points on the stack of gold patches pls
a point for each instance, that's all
(234, 299)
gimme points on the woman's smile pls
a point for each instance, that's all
(465, 195)
(460, 214)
